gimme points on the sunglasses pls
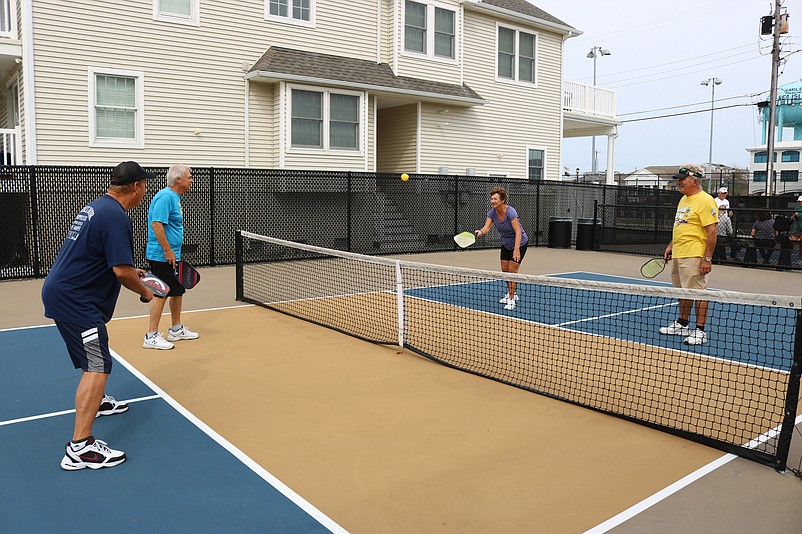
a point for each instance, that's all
(683, 170)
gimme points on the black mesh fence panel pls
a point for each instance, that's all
(362, 212)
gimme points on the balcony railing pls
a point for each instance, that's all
(10, 146)
(588, 99)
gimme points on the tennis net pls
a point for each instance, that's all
(591, 343)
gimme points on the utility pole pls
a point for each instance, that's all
(775, 64)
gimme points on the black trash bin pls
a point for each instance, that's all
(585, 237)
(560, 232)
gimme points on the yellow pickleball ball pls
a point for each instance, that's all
(405, 177)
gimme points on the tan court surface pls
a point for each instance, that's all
(387, 442)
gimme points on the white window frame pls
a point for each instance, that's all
(116, 142)
(288, 19)
(430, 31)
(192, 20)
(326, 148)
(545, 159)
(515, 79)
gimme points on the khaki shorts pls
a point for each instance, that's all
(685, 273)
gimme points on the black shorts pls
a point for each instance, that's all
(165, 271)
(506, 253)
(87, 345)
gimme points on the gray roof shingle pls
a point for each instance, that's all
(278, 61)
(525, 8)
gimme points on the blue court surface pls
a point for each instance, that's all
(179, 477)
(754, 335)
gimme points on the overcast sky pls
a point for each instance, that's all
(660, 52)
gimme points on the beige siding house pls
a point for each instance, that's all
(423, 86)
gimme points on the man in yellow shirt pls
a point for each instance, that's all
(691, 250)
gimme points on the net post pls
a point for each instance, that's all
(212, 221)
(456, 206)
(239, 267)
(791, 399)
(348, 208)
(34, 188)
(399, 289)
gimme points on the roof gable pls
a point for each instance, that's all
(300, 65)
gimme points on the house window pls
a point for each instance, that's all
(762, 157)
(421, 38)
(294, 11)
(789, 176)
(790, 156)
(344, 122)
(116, 108)
(180, 11)
(759, 176)
(516, 57)
(536, 163)
(12, 96)
(325, 120)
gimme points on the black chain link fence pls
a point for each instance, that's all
(367, 213)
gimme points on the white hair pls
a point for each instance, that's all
(176, 171)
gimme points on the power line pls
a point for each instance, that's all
(688, 105)
(686, 113)
(651, 24)
(684, 74)
(609, 74)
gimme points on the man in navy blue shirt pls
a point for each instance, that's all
(80, 293)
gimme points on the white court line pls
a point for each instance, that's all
(633, 310)
(666, 492)
(65, 412)
(299, 501)
(136, 316)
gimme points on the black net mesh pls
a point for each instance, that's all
(598, 345)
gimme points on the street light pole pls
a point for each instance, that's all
(595, 52)
(712, 82)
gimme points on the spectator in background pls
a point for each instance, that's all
(725, 235)
(782, 227)
(764, 234)
(795, 232)
(722, 200)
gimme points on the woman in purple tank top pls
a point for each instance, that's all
(513, 239)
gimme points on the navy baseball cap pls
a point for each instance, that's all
(129, 172)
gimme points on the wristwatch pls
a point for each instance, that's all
(708, 260)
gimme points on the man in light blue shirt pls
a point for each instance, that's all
(165, 238)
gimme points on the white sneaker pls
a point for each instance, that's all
(675, 329)
(510, 305)
(506, 299)
(94, 454)
(111, 406)
(182, 333)
(697, 337)
(157, 342)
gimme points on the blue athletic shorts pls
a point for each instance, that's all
(506, 253)
(88, 345)
(165, 271)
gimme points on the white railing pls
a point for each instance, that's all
(10, 146)
(588, 99)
